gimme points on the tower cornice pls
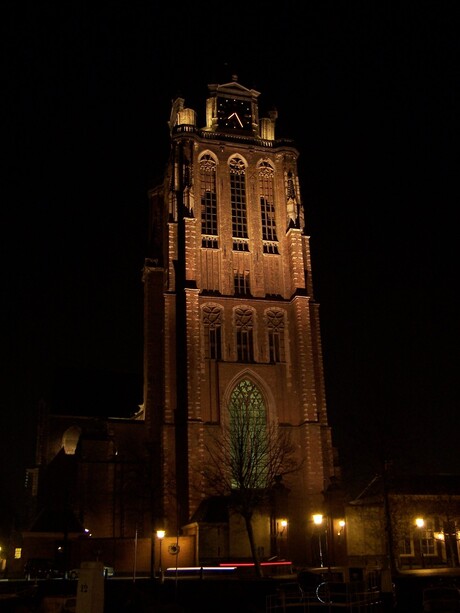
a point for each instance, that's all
(189, 130)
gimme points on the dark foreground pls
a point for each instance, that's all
(145, 596)
(190, 596)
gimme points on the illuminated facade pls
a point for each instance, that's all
(230, 321)
(230, 311)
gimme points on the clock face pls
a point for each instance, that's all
(234, 114)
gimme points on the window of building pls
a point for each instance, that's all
(420, 542)
(241, 282)
(238, 204)
(275, 325)
(406, 547)
(267, 208)
(427, 541)
(428, 548)
(244, 334)
(248, 433)
(212, 323)
(209, 231)
(70, 439)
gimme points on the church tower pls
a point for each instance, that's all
(230, 311)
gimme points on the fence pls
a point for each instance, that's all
(353, 597)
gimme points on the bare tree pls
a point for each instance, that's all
(245, 460)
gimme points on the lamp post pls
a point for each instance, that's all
(420, 523)
(318, 520)
(338, 542)
(281, 526)
(160, 536)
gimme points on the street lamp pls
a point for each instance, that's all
(318, 520)
(420, 523)
(160, 536)
(281, 534)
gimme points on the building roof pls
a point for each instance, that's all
(56, 520)
(412, 485)
(212, 510)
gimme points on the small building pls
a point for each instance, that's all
(405, 522)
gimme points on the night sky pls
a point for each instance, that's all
(370, 94)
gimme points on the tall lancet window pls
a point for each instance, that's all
(293, 206)
(248, 435)
(209, 230)
(238, 203)
(267, 208)
(275, 325)
(212, 324)
(244, 324)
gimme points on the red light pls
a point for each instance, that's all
(241, 564)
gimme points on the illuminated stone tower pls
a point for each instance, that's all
(229, 303)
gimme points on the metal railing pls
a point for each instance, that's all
(327, 596)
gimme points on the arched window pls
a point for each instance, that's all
(244, 325)
(267, 208)
(209, 229)
(70, 439)
(212, 323)
(248, 434)
(275, 326)
(238, 202)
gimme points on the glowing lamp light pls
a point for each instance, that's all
(318, 519)
(419, 522)
(160, 536)
(281, 525)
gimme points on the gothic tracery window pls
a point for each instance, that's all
(267, 207)
(212, 324)
(209, 230)
(244, 325)
(238, 203)
(275, 326)
(248, 431)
